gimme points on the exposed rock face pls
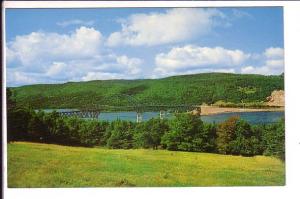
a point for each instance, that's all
(276, 98)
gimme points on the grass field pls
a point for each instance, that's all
(45, 165)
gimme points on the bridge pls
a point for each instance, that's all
(139, 109)
(94, 110)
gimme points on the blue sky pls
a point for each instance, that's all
(61, 45)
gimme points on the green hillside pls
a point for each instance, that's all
(186, 89)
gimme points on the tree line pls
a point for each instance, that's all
(185, 132)
(195, 89)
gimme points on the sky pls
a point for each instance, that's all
(63, 45)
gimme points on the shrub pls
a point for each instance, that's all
(148, 134)
(186, 134)
(121, 135)
(17, 124)
(274, 140)
(226, 134)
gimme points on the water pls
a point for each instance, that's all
(251, 117)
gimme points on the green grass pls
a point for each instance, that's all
(46, 165)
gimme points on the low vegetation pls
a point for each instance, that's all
(47, 165)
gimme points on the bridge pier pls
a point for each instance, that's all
(162, 114)
(95, 115)
(139, 117)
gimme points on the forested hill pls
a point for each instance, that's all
(185, 89)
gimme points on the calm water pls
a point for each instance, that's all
(251, 117)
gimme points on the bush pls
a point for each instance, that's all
(226, 134)
(245, 142)
(148, 134)
(121, 135)
(186, 134)
(274, 140)
(210, 132)
(236, 136)
(17, 124)
(37, 128)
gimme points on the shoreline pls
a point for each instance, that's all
(213, 110)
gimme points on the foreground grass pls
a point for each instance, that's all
(45, 165)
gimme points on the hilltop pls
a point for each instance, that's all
(185, 89)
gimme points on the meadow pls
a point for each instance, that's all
(48, 165)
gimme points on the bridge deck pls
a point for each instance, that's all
(95, 112)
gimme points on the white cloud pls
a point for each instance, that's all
(274, 53)
(75, 22)
(102, 75)
(161, 74)
(174, 25)
(191, 59)
(237, 13)
(19, 78)
(41, 57)
(10, 55)
(194, 57)
(39, 46)
(273, 63)
(224, 70)
(56, 68)
(132, 64)
(255, 70)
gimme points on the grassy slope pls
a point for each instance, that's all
(43, 165)
(186, 89)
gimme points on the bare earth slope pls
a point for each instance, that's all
(211, 110)
(275, 101)
(276, 98)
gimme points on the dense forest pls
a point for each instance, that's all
(194, 89)
(185, 132)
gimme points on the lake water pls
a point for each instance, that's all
(251, 117)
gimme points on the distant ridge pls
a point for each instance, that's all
(184, 89)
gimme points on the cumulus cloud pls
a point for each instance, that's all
(273, 63)
(131, 63)
(255, 70)
(237, 13)
(51, 57)
(274, 53)
(197, 58)
(191, 59)
(40, 46)
(75, 22)
(56, 68)
(174, 25)
(19, 77)
(102, 75)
